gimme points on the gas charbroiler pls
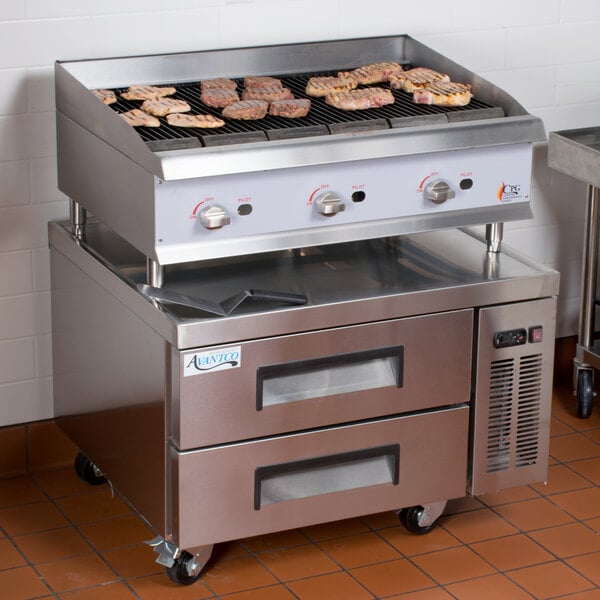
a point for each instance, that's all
(282, 322)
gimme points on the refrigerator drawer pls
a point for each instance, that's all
(256, 487)
(290, 383)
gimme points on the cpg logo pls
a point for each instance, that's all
(508, 191)
(200, 363)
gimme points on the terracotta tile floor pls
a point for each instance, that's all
(60, 538)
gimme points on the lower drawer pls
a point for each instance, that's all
(272, 484)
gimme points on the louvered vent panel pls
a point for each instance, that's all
(528, 412)
(514, 413)
(502, 379)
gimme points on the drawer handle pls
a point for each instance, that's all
(329, 375)
(326, 474)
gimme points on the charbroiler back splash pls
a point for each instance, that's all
(284, 321)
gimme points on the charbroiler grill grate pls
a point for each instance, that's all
(321, 120)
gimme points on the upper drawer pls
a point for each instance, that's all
(222, 394)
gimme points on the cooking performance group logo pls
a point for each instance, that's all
(508, 191)
(199, 363)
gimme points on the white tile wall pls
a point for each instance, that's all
(546, 53)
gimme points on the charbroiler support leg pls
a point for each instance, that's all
(493, 236)
(181, 566)
(155, 273)
(78, 219)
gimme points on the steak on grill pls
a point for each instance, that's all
(159, 107)
(219, 83)
(416, 78)
(321, 86)
(375, 73)
(291, 109)
(446, 93)
(261, 81)
(268, 94)
(186, 120)
(246, 110)
(360, 99)
(218, 97)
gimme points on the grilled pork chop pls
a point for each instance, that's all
(321, 86)
(360, 99)
(159, 107)
(246, 110)
(291, 109)
(219, 97)
(145, 92)
(107, 96)
(446, 93)
(375, 73)
(411, 80)
(268, 94)
(203, 121)
(139, 118)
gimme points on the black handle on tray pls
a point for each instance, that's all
(268, 296)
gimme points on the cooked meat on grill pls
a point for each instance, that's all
(159, 107)
(268, 94)
(186, 120)
(145, 92)
(139, 118)
(261, 81)
(219, 83)
(416, 78)
(360, 99)
(219, 97)
(107, 96)
(375, 73)
(292, 109)
(321, 86)
(246, 110)
(444, 94)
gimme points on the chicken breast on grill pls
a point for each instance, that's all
(139, 118)
(159, 107)
(107, 96)
(145, 92)
(202, 121)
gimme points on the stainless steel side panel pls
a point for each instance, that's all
(214, 406)
(213, 491)
(109, 382)
(513, 394)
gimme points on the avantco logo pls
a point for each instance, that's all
(508, 191)
(200, 363)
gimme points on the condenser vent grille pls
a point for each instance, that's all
(514, 413)
(502, 378)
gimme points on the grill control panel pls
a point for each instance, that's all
(339, 201)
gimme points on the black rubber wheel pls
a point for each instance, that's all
(179, 572)
(409, 517)
(585, 393)
(87, 470)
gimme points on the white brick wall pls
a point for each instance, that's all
(544, 52)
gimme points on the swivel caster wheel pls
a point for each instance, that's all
(88, 471)
(185, 570)
(585, 393)
(419, 519)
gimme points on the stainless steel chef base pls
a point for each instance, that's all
(418, 370)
